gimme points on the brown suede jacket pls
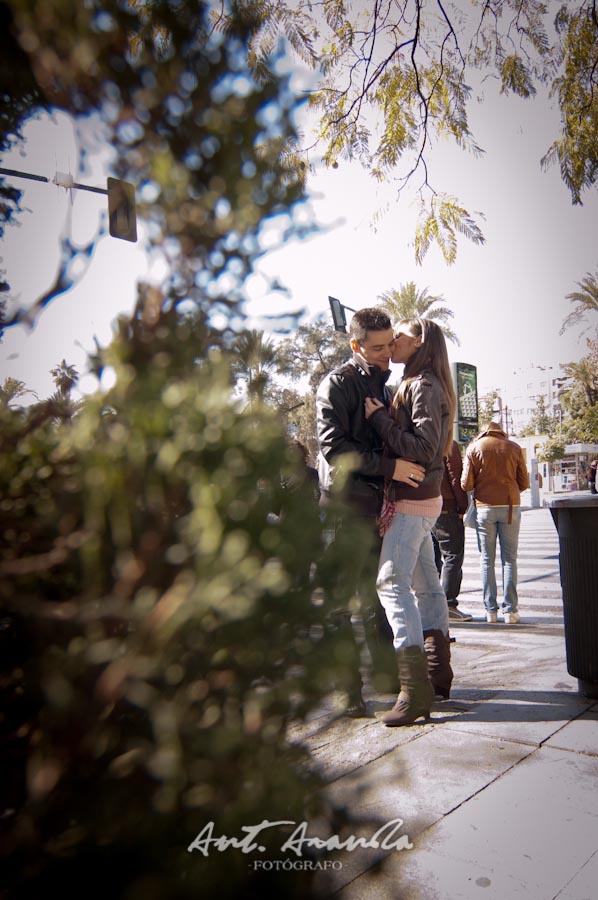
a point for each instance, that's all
(495, 469)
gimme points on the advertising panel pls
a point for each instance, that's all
(465, 379)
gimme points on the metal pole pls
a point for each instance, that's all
(73, 184)
(24, 175)
(88, 187)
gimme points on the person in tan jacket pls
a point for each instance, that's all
(495, 471)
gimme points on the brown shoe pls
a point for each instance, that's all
(417, 693)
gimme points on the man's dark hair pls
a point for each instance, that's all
(301, 449)
(372, 318)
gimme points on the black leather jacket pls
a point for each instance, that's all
(343, 429)
(419, 433)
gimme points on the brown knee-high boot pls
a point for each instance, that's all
(417, 694)
(438, 650)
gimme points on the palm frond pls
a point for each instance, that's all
(407, 302)
(584, 301)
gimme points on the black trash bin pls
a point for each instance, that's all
(576, 520)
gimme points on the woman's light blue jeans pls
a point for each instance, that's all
(408, 583)
(493, 522)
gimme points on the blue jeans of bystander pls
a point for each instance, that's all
(493, 522)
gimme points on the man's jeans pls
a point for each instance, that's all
(493, 521)
(449, 548)
(406, 563)
(357, 579)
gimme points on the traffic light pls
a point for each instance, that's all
(338, 314)
(121, 210)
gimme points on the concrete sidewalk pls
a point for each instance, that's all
(499, 793)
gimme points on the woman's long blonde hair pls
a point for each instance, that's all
(431, 356)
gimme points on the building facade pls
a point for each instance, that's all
(518, 397)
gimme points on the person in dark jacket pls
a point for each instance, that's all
(408, 583)
(305, 477)
(352, 455)
(448, 533)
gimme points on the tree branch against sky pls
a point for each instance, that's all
(395, 76)
(531, 228)
(203, 178)
(314, 351)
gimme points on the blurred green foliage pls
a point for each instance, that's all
(160, 627)
(393, 81)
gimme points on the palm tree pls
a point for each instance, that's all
(13, 390)
(254, 356)
(407, 303)
(585, 300)
(65, 379)
(584, 378)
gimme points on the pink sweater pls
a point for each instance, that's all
(431, 508)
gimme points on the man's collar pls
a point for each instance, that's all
(368, 369)
(496, 431)
(360, 361)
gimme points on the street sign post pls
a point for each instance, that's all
(121, 199)
(338, 314)
(121, 210)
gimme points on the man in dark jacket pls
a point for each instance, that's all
(352, 455)
(448, 533)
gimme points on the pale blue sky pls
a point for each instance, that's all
(508, 296)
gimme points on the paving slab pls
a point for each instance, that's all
(339, 745)
(530, 832)
(422, 874)
(580, 736)
(584, 885)
(419, 782)
(524, 716)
